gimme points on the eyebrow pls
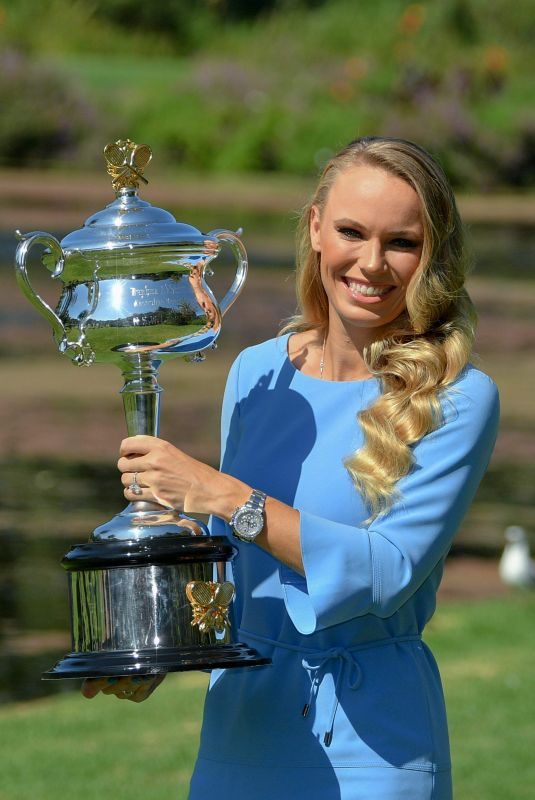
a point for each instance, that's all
(402, 232)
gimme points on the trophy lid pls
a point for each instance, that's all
(128, 221)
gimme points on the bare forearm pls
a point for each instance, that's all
(280, 536)
(165, 474)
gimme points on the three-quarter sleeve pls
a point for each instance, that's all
(350, 570)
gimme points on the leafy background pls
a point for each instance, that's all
(270, 85)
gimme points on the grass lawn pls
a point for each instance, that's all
(485, 653)
(102, 748)
(106, 749)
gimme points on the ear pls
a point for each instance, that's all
(315, 236)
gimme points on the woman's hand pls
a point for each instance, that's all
(136, 688)
(173, 479)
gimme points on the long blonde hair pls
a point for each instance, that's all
(427, 346)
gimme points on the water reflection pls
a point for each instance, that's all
(45, 508)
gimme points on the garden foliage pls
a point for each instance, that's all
(272, 85)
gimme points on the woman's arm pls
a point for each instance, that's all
(175, 479)
(349, 570)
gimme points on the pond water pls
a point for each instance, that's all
(44, 498)
(46, 504)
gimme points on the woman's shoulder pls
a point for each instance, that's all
(260, 359)
(474, 380)
(470, 418)
(473, 393)
(265, 353)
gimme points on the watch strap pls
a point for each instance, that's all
(257, 500)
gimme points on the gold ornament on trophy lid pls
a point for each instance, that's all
(125, 162)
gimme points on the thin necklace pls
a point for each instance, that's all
(322, 362)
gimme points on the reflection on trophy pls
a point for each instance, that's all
(149, 592)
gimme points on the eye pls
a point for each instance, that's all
(350, 233)
(404, 244)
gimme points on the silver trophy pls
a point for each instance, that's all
(149, 592)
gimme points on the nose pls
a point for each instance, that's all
(373, 257)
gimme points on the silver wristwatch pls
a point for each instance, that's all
(247, 521)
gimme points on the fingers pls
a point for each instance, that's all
(139, 453)
(137, 479)
(136, 688)
(133, 464)
(138, 445)
(136, 487)
(92, 686)
(153, 470)
(146, 687)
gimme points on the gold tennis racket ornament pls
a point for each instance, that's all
(125, 162)
(209, 604)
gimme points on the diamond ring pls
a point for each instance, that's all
(134, 487)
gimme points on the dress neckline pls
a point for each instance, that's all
(372, 381)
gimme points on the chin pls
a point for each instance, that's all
(365, 319)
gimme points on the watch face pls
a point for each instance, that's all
(248, 522)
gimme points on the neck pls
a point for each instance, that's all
(341, 363)
(343, 354)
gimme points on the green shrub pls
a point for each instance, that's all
(279, 88)
(263, 98)
(60, 27)
(44, 116)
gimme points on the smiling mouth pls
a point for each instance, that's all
(366, 289)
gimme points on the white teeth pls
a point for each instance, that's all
(371, 291)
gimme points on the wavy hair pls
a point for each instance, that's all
(427, 346)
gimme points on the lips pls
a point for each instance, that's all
(362, 289)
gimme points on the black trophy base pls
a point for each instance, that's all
(154, 661)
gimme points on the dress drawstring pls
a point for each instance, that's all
(315, 662)
(317, 672)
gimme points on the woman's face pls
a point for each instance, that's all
(369, 237)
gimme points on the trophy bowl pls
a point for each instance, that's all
(150, 591)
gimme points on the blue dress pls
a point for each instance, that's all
(352, 705)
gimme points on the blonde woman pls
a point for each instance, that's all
(352, 446)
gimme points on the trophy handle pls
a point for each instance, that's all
(236, 245)
(27, 240)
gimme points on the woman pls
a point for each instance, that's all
(359, 436)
